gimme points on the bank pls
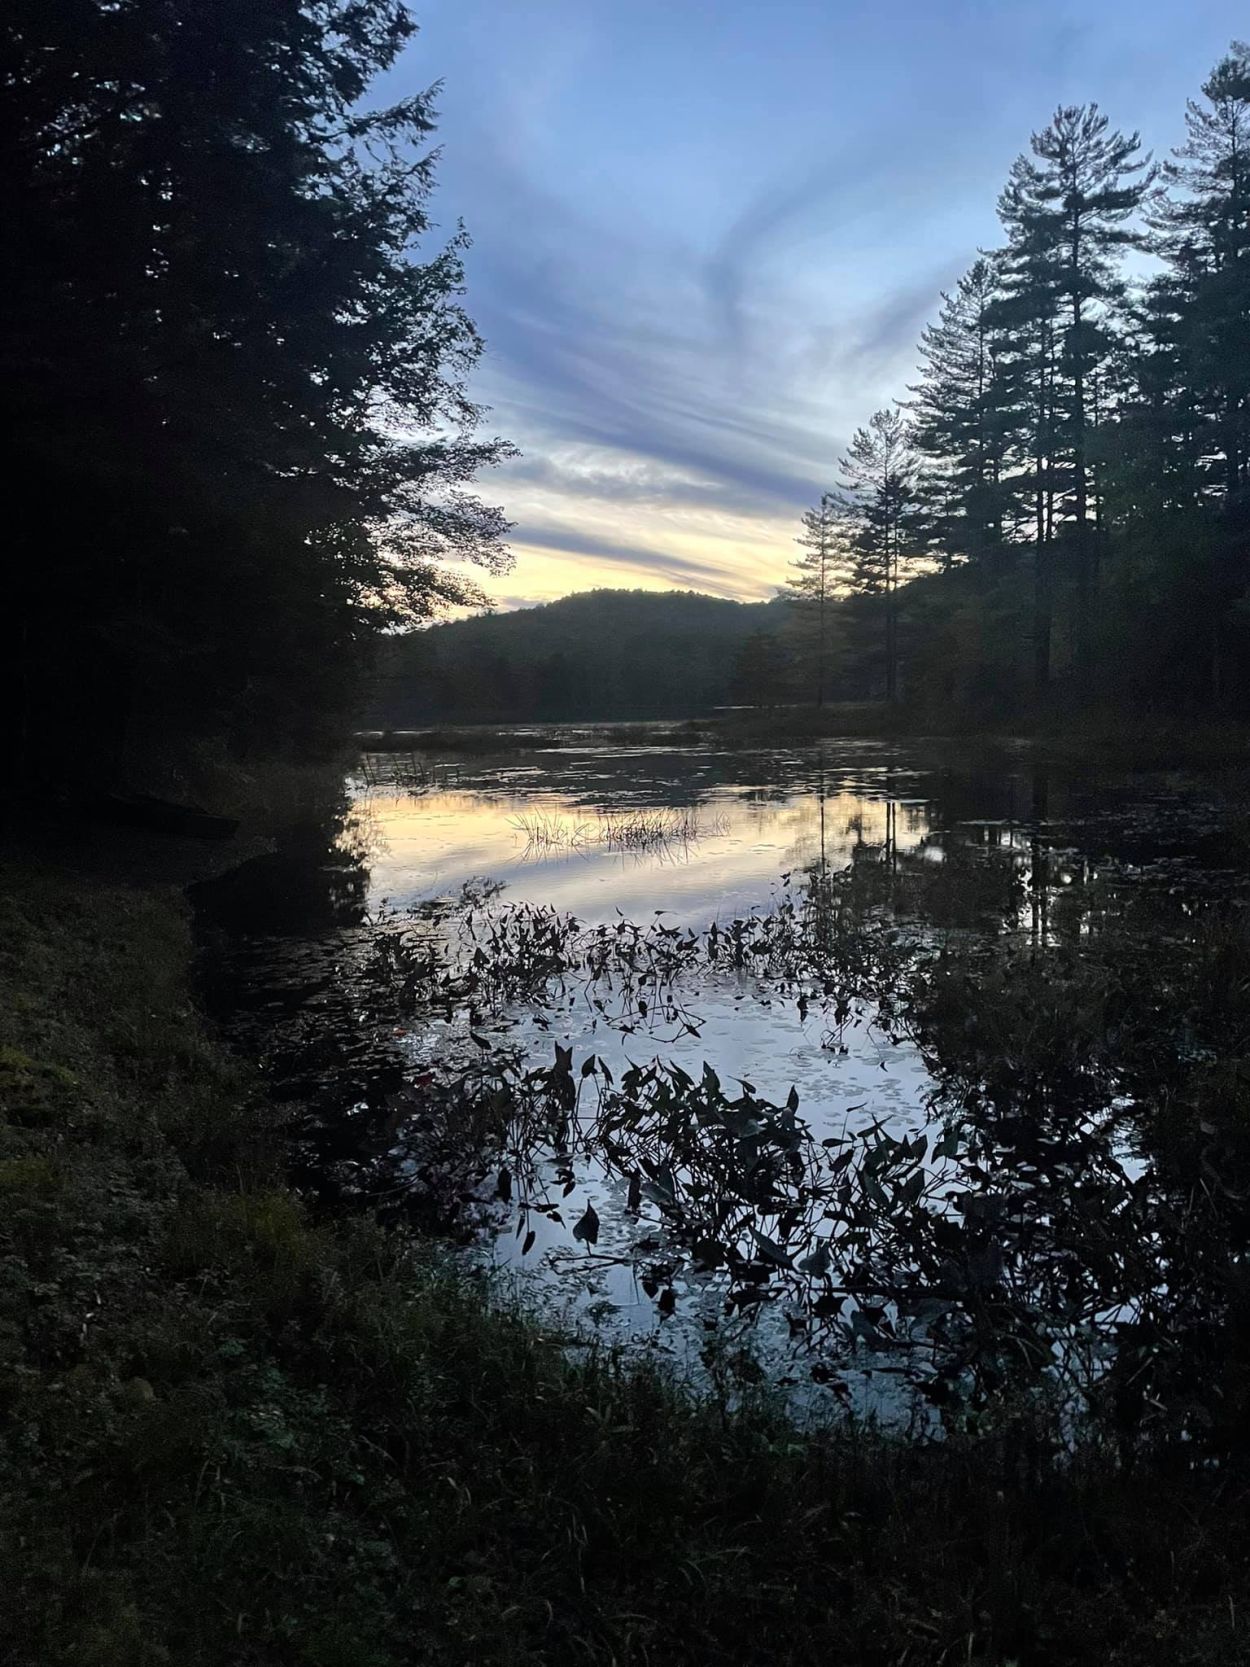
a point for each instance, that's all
(1117, 738)
(237, 1432)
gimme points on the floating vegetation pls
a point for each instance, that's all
(1024, 1243)
(658, 830)
(1056, 1217)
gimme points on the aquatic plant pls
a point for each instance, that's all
(639, 829)
(651, 828)
(549, 831)
(1066, 1227)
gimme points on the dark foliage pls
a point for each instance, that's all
(239, 437)
(1073, 473)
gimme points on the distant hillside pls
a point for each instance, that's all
(600, 654)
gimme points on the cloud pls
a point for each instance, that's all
(679, 572)
(625, 478)
(690, 303)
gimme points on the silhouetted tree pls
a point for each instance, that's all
(960, 422)
(880, 511)
(1204, 234)
(1067, 210)
(812, 588)
(240, 435)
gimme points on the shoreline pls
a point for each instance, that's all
(240, 1431)
(1082, 740)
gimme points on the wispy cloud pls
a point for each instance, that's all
(707, 239)
(625, 563)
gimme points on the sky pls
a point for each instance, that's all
(706, 236)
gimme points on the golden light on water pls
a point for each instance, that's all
(712, 861)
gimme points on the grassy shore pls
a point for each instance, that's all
(237, 1434)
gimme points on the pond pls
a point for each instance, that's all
(878, 1072)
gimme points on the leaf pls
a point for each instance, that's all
(587, 1229)
(634, 1201)
(864, 1328)
(529, 1242)
(948, 1146)
(768, 1250)
(503, 1186)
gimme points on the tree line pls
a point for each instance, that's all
(239, 439)
(1058, 510)
(600, 654)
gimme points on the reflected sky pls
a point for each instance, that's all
(1000, 838)
(740, 847)
(750, 833)
(752, 821)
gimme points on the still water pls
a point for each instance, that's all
(483, 862)
(725, 835)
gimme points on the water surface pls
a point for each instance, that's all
(952, 848)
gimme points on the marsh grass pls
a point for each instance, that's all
(649, 829)
(546, 831)
(661, 830)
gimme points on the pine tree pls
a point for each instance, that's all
(812, 589)
(1204, 234)
(1100, 431)
(1194, 368)
(1067, 212)
(959, 423)
(1024, 320)
(880, 509)
(240, 432)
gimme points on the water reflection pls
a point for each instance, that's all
(969, 860)
(729, 862)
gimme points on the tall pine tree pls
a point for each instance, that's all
(812, 590)
(881, 511)
(1068, 210)
(1204, 235)
(959, 424)
(240, 435)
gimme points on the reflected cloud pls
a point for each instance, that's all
(434, 847)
